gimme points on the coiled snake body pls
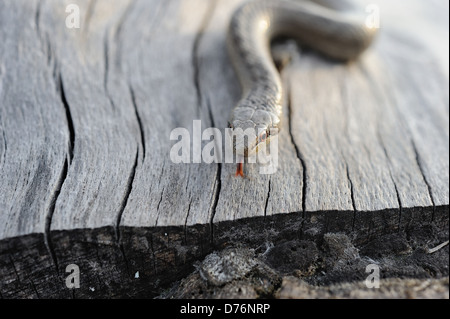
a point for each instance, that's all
(335, 28)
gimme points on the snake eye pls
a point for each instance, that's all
(263, 136)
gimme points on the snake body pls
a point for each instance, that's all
(332, 27)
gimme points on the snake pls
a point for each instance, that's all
(336, 29)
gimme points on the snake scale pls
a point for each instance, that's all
(335, 28)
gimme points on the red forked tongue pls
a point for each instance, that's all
(240, 170)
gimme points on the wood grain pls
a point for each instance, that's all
(85, 122)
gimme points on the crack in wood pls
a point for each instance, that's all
(158, 206)
(63, 174)
(37, 17)
(5, 144)
(69, 119)
(346, 102)
(160, 200)
(196, 77)
(383, 146)
(267, 199)
(392, 100)
(217, 181)
(215, 194)
(422, 171)
(139, 120)
(399, 202)
(14, 267)
(33, 286)
(118, 233)
(195, 49)
(297, 151)
(153, 254)
(352, 194)
(215, 198)
(51, 211)
(126, 197)
(106, 58)
(186, 220)
(162, 173)
(2, 125)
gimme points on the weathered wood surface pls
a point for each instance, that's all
(85, 119)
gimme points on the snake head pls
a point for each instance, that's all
(247, 138)
(251, 129)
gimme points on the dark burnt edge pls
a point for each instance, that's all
(299, 156)
(139, 120)
(122, 209)
(279, 221)
(422, 171)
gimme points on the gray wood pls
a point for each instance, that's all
(260, 195)
(85, 120)
(167, 194)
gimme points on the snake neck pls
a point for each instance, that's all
(254, 26)
(334, 28)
